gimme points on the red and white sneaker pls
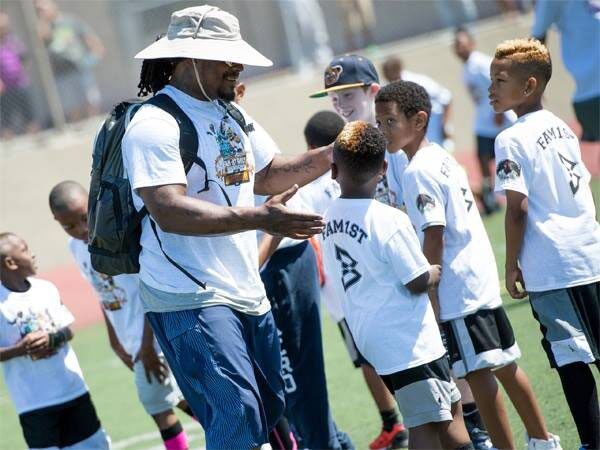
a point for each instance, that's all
(396, 438)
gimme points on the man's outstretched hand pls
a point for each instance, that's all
(280, 221)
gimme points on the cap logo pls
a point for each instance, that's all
(332, 75)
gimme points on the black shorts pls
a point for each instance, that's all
(357, 358)
(485, 147)
(588, 116)
(60, 425)
(481, 340)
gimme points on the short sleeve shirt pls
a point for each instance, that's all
(539, 156)
(34, 384)
(371, 252)
(437, 193)
(228, 264)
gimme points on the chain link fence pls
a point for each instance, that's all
(63, 61)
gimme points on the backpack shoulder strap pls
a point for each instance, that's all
(237, 115)
(188, 147)
(188, 136)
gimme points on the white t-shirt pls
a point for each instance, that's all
(35, 384)
(440, 98)
(476, 76)
(539, 157)
(579, 24)
(436, 192)
(397, 163)
(119, 297)
(228, 264)
(373, 252)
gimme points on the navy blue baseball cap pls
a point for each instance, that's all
(348, 71)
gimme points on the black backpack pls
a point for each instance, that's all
(114, 223)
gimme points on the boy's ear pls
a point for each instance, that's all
(9, 263)
(384, 167)
(421, 120)
(374, 89)
(334, 171)
(530, 86)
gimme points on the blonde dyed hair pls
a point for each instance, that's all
(529, 56)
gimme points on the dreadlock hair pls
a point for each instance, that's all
(156, 73)
(360, 150)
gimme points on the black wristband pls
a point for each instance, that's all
(57, 339)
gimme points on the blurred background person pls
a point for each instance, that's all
(359, 20)
(578, 22)
(15, 102)
(74, 49)
(306, 32)
(439, 128)
(476, 77)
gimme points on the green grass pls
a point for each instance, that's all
(113, 391)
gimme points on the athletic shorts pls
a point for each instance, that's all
(156, 397)
(73, 424)
(481, 340)
(355, 355)
(424, 393)
(485, 147)
(569, 320)
(588, 116)
(228, 367)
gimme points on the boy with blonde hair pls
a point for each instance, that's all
(552, 236)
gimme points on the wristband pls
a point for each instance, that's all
(57, 339)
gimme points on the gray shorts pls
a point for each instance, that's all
(424, 393)
(481, 340)
(156, 397)
(570, 323)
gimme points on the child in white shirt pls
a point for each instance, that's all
(40, 368)
(130, 335)
(382, 277)
(441, 206)
(552, 236)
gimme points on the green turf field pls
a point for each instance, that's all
(113, 391)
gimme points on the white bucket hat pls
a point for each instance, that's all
(204, 32)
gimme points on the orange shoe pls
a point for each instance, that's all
(397, 436)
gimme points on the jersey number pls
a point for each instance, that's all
(350, 275)
(467, 201)
(570, 166)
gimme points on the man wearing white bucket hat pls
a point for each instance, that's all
(205, 301)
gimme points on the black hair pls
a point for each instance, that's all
(63, 193)
(410, 98)
(463, 29)
(322, 128)
(360, 149)
(156, 73)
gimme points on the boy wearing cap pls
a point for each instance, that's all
(205, 302)
(351, 82)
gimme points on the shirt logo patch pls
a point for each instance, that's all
(508, 170)
(575, 177)
(350, 275)
(332, 74)
(425, 202)
(231, 165)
